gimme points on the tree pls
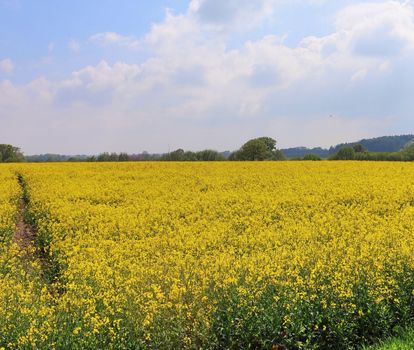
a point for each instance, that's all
(345, 153)
(176, 156)
(358, 148)
(311, 156)
(123, 157)
(278, 155)
(104, 157)
(189, 156)
(10, 154)
(407, 153)
(108, 157)
(209, 155)
(262, 148)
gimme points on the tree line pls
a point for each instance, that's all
(359, 152)
(387, 144)
(258, 149)
(262, 148)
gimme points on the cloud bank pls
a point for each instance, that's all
(194, 89)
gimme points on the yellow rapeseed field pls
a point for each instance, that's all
(9, 195)
(25, 310)
(272, 255)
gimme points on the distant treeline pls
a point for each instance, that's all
(178, 155)
(359, 152)
(386, 148)
(387, 144)
(262, 148)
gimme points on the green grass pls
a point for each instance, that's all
(404, 342)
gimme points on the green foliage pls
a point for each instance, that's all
(10, 154)
(311, 156)
(209, 155)
(408, 151)
(240, 322)
(109, 157)
(380, 156)
(404, 341)
(346, 153)
(278, 155)
(378, 144)
(50, 157)
(409, 145)
(358, 148)
(174, 156)
(300, 152)
(180, 155)
(123, 157)
(262, 148)
(358, 152)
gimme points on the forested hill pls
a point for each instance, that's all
(377, 144)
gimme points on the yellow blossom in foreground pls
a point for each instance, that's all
(217, 255)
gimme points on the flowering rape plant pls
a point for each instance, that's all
(291, 255)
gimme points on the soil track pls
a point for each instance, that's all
(24, 235)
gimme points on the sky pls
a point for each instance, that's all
(85, 77)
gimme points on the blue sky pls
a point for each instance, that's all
(94, 76)
(34, 31)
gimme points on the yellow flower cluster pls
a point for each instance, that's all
(214, 255)
(25, 312)
(9, 196)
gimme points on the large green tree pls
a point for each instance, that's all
(261, 148)
(10, 154)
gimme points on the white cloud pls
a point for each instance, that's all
(193, 88)
(379, 29)
(240, 13)
(6, 66)
(359, 75)
(111, 38)
(74, 46)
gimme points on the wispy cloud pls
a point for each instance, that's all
(6, 66)
(74, 46)
(111, 38)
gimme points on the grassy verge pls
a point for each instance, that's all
(405, 341)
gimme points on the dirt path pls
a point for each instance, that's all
(24, 235)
